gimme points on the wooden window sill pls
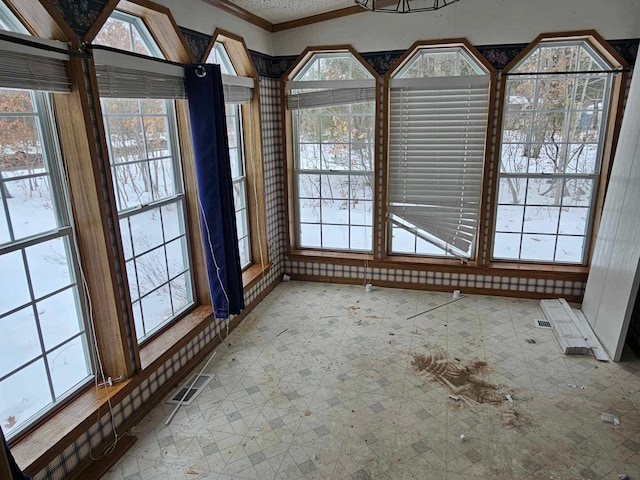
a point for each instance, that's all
(47, 439)
(254, 274)
(345, 258)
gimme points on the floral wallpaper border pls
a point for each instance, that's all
(497, 55)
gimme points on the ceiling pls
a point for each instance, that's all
(278, 11)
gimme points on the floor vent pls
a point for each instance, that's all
(542, 324)
(202, 381)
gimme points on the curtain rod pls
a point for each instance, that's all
(90, 46)
(41, 46)
(579, 72)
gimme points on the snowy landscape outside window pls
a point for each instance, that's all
(45, 353)
(146, 172)
(220, 56)
(332, 99)
(439, 110)
(555, 116)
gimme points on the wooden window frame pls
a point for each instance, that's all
(609, 142)
(253, 155)
(310, 254)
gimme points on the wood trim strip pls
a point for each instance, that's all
(42, 19)
(320, 17)
(75, 132)
(194, 226)
(99, 22)
(5, 469)
(435, 288)
(241, 13)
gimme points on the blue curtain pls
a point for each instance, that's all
(213, 169)
(16, 473)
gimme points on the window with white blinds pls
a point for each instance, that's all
(437, 137)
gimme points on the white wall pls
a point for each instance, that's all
(612, 285)
(202, 17)
(483, 22)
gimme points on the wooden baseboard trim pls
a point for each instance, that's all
(437, 288)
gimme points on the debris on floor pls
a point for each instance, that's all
(463, 381)
(530, 340)
(463, 437)
(610, 418)
(307, 413)
(623, 476)
(513, 418)
(509, 398)
(578, 387)
(192, 472)
(454, 397)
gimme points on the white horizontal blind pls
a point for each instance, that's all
(237, 89)
(119, 82)
(31, 68)
(330, 92)
(436, 155)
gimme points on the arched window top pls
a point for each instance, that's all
(562, 56)
(9, 22)
(333, 66)
(128, 32)
(429, 62)
(220, 56)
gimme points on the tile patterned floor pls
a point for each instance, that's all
(327, 382)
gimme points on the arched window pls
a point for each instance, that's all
(45, 352)
(555, 114)
(147, 178)
(331, 98)
(439, 108)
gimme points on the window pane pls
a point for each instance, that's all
(538, 247)
(360, 238)
(577, 192)
(162, 179)
(570, 249)
(180, 293)
(152, 271)
(335, 212)
(156, 309)
(126, 139)
(513, 158)
(132, 185)
(573, 221)
(335, 236)
(543, 191)
(156, 136)
(49, 266)
(541, 219)
(177, 259)
(132, 279)
(507, 246)
(310, 235)
(33, 385)
(19, 340)
(146, 230)
(16, 283)
(59, 318)
(30, 206)
(509, 218)
(512, 190)
(172, 220)
(68, 366)
(309, 210)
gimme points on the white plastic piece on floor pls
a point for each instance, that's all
(286, 278)
(368, 287)
(456, 294)
(623, 476)
(610, 418)
(578, 387)
(454, 397)
(463, 437)
(509, 398)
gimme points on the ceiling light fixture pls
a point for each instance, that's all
(404, 6)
